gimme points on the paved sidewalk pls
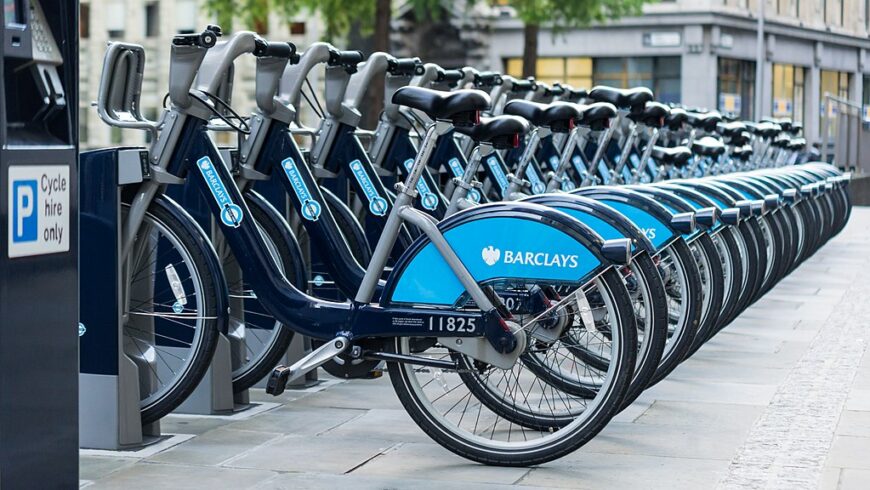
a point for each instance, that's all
(779, 399)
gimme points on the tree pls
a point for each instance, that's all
(371, 17)
(564, 14)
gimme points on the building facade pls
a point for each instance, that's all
(153, 23)
(703, 53)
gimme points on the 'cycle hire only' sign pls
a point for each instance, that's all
(38, 210)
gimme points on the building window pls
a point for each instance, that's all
(185, 14)
(736, 91)
(298, 28)
(85, 20)
(576, 72)
(788, 8)
(788, 91)
(152, 19)
(116, 15)
(833, 12)
(866, 92)
(661, 74)
(833, 83)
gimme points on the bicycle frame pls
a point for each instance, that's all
(197, 158)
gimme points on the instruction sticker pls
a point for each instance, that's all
(38, 210)
(538, 186)
(377, 204)
(427, 197)
(310, 207)
(497, 173)
(231, 213)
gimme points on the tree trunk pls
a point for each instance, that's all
(530, 49)
(380, 42)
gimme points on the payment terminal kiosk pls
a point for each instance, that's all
(39, 330)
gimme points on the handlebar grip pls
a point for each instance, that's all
(206, 39)
(451, 76)
(405, 66)
(524, 86)
(344, 58)
(488, 79)
(274, 49)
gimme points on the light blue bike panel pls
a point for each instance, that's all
(642, 210)
(494, 248)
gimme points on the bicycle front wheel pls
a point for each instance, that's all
(172, 314)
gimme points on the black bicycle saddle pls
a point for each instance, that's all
(677, 156)
(597, 115)
(501, 131)
(708, 146)
(443, 105)
(675, 119)
(742, 153)
(706, 121)
(558, 116)
(634, 98)
(653, 115)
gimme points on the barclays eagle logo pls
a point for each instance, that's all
(490, 255)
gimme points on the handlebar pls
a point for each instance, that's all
(448, 76)
(344, 58)
(405, 66)
(488, 79)
(526, 85)
(206, 39)
(263, 48)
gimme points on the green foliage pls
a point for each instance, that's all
(337, 15)
(563, 14)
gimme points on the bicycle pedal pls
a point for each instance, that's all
(375, 374)
(278, 380)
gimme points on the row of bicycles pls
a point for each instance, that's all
(523, 259)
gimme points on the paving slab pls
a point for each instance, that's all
(853, 479)
(854, 423)
(320, 453)
(318, 481)
(96, 467)
(602, 470)
(148, 476)
(430, 462)
(214, 447)
(850, 452)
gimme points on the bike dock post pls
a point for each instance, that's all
(214, 394)
(109, 380)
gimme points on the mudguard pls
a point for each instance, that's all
(694, 198)
(645, 212)
(721, 199)
(672, 201)
(605, 220)
(748, 190)
(500, 241)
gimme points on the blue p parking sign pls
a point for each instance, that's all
(38, 200)
(25, 221)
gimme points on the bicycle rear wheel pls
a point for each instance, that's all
(513, 417)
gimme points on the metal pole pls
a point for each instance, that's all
(759, 61)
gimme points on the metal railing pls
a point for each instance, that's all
(845, 135)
